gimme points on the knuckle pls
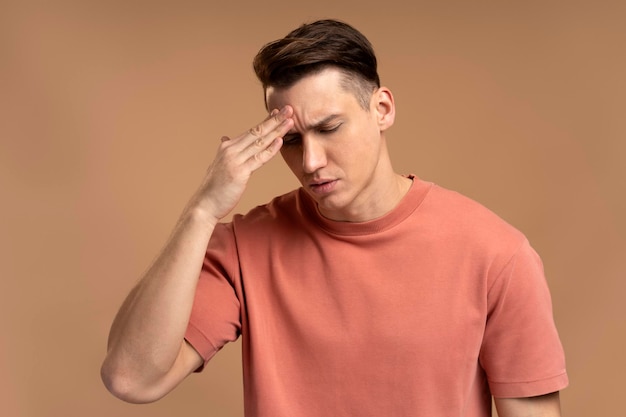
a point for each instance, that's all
(256, 130)
(261, 156)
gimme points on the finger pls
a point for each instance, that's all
(262, 129)
(262, 142)
(256, 131)
(266, 147)
(259, 137)
(265, 155)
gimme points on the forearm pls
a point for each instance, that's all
(147, 333)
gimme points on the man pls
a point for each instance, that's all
(364, 292)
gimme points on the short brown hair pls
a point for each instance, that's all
(316, 46)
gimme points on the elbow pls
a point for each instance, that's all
(125, 387)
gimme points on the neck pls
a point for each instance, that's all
(378, 201)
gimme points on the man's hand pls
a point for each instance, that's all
(237, 159)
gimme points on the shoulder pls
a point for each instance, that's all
(468, 225)
(459, 212)
(282, 214)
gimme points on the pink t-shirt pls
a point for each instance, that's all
(426, 311)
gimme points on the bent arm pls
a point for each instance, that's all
(147, 355)
(548, 405)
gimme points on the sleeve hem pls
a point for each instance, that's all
(529, 388)
(200, 343)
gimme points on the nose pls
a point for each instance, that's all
(313, 155)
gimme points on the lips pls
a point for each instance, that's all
(322, 186)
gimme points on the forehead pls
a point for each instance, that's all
(318, 92)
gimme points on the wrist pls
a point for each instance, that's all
(201, 214)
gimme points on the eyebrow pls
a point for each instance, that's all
(324, 122)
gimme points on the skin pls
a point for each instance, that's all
(147, 355)
(337, 150)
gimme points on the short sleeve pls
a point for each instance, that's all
(215, 317)
(521, 353)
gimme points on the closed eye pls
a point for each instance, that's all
(329, 130)
(296, 138)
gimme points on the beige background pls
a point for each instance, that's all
(110, 111)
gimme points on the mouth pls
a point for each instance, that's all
(322, 186)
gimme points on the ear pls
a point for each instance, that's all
(384, 107)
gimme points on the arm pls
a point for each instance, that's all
(548, 405)
(147, 355)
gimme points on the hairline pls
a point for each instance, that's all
(350, 81)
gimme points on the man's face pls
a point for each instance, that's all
(336, 148)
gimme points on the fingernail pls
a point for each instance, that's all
(284, 110)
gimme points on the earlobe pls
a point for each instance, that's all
(385, 108)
